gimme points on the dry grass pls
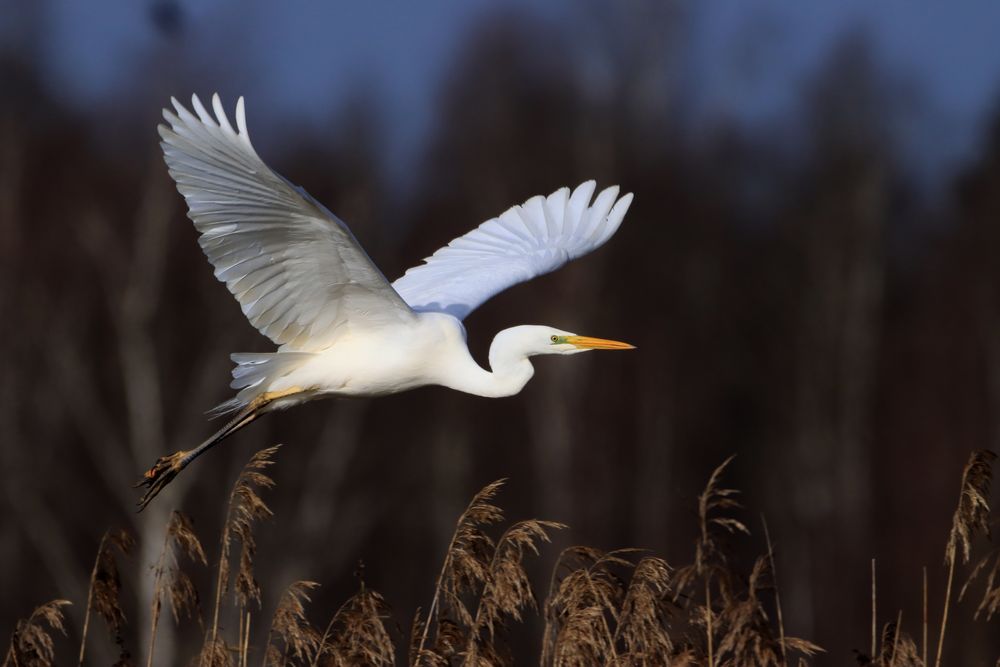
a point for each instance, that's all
(489, 572)
(31, 644)
(620, 608)
(971, 518)
(356, 635)
(104, 591)
(245, 508)
(299, 639)
(170, 581)
(989, 603)
(465, 566)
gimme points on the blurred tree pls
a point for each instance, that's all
(837, 245)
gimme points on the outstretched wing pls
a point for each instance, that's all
(298, 273)
(529, 240)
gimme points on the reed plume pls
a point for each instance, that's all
(618, 608)
(644, 622)
(244, 509)
(300, 639)
(585, 593)
(973, 511)
(746, 634)
(465, 570)
(989, 604)
(170, 580)
(896, 648)
(971, 518)
(710, 559)
(356, 635)
(104, 590)
(31, 644)
(507, 590)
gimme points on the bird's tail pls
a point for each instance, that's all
(251, 374)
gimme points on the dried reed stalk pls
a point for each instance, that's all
(971, 518)
(643, 625)
(895, 638)
(507, 590)
(709, 562)
(245, 639)
(579, 604)
(898, 648)
(300, 639)
(990, 602)
(216, 654)
(923, 653)
(104, 590)
(356, 635)
(874, 645)
(170, 579)
(245, 507)
(31, 644)
(747, 638)
(466, 564)
(777, 596)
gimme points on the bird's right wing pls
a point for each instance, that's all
(529, 240)
(298, 273)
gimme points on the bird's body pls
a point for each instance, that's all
(431, 350)
(342, 329)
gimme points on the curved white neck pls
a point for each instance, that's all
(510, 371)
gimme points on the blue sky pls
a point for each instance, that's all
(297, 59)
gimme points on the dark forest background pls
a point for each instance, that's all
(811, 306)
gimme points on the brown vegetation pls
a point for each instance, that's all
(619, 608)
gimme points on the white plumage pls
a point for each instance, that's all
(304, 281)
(298, 273)
(529, 240)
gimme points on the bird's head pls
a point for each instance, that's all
(537, 339)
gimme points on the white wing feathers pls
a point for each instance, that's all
(527, 241)
(298, 273)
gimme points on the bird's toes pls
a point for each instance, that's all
(158, 476)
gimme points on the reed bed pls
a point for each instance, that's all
(619, 608)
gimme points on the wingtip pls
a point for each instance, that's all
(220, 114)
(201, 111)
(584, 192)
(241, 116)
(616, 216)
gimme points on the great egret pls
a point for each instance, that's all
(342, 329)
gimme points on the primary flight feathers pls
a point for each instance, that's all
(302, 278)
(529, 240)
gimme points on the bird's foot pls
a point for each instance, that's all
(161, 474)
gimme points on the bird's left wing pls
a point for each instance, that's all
(529, 240)
(298, 273)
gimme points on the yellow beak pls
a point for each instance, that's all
(588, 343)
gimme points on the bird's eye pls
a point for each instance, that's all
(554, 339)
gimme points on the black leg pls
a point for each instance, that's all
(168, 467)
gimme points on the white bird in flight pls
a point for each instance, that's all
(342, 329)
